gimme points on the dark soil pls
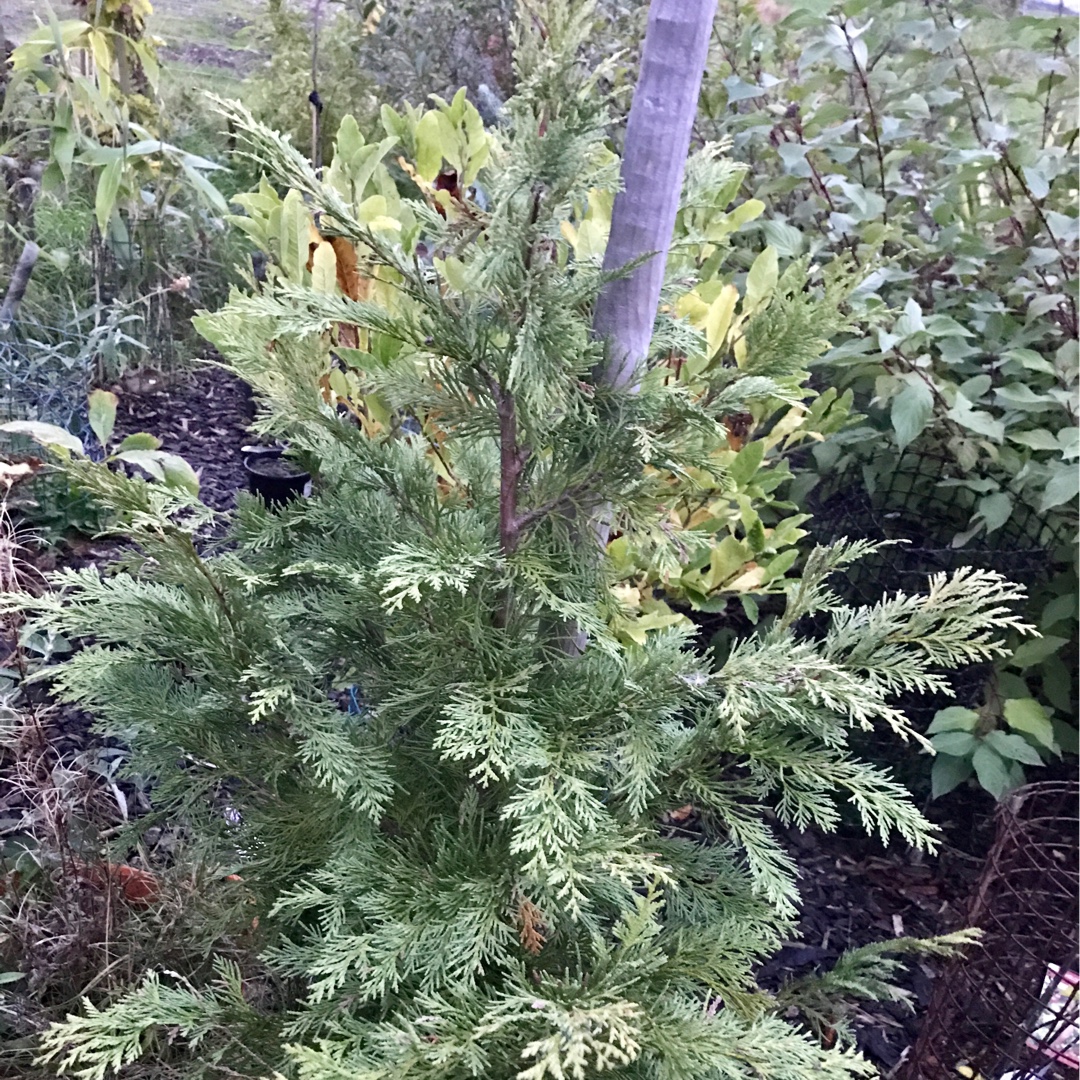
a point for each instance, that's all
(855, 891)
(203, 418)
(276, 467)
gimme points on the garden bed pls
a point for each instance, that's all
(854, 890)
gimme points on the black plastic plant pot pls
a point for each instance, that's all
(273, 478)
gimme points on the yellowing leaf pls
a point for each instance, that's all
(372, 207)
(761, 280)
(752, 579)
(718, 318)
(746, 212)
(790, 422)
(1027, 715)
(102, 414)
(429, 150)
(592, 239)
(453, 271)
(46, 434)
(324, 268)
(293, 236)
(690, 306)
(725, 560)
(383, 223)
(339, 384)
(101, 51)
(108, 187)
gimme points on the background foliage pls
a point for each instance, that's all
(935, 145)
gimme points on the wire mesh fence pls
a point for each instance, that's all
(44, 376)
(1009, 1011)
(925, 505)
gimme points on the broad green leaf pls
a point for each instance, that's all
(947, 773)
(975, 387)
(1030, 359)
(1036, 651)
(46, 434)
(992, 771)
(718, 318)
(384, 223)
(910, 411)
(453, 272)
(726, 559)
(371, 209)
(1060, 608)
(1063, 487)
(145, 459)
(1014, 746)
(1042, 304)
(1021, 396)
(63, 149)
(148, 60)
(102, 414)
(206, 190)
(743, 214)
(788, 241)
(1027, 715)
(101, 50)
(140, 441)
(953, 718)
(995, 509)
(339, 383)
(1067, 737)
(738, 90)
(178, 473)
(429, 145)
(977, 420)
(1069, 441)
(477, 158)
(591, 239)
(1056, 685)
(348, 141)
(108, 187)
(779, 566)
(747, 462)
(750, 607)
(1037, 182)
(911, 322)
(294, 236)
(365, 163)
(358, 358)
(956, 743)
(1036, 440)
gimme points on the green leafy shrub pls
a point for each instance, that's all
(426, 47)
(936, 146)
(156, 217)
(278, 93)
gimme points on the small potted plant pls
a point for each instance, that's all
(273, 477)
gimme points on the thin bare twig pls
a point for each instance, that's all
(875, 129)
